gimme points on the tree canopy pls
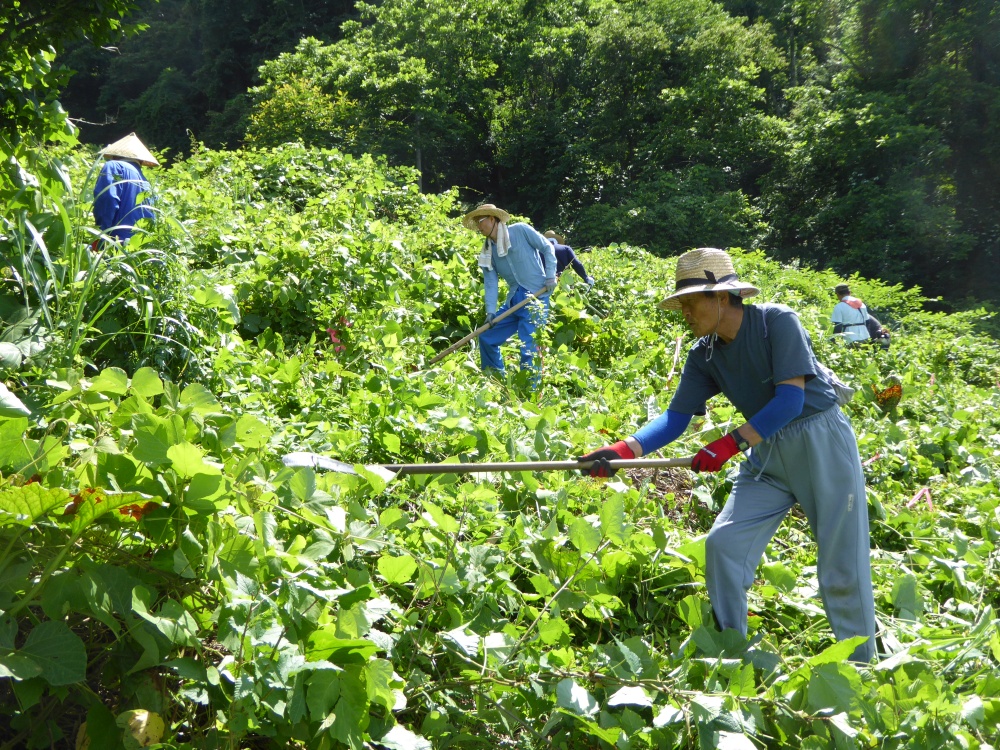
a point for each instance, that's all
(858, 136)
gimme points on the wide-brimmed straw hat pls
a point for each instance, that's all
(131, 148)
(706, 269)
(560, 240)
(487, 209)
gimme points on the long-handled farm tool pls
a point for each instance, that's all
(387, 471)
(485, 327)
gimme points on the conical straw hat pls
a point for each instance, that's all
(130, 147)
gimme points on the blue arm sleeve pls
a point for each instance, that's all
(779, 411)
(663, 430)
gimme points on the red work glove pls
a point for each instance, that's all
(601, 456)
(715, 454)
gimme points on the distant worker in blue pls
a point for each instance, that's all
(523, 257)
(116, 195)
(566, 257)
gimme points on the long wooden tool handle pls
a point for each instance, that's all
(485, 327)
(637, 463)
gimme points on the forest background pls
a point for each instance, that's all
(855, 135)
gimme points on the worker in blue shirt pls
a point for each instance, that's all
(566, 257)
(526, 261)
(800, 447)
(120, 183)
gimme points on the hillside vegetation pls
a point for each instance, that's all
(855, 135)
(164, 578)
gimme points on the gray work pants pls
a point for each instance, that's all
(813, 461)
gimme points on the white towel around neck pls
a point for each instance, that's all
(503, 247)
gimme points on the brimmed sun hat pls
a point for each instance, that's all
(706, 269)
(130, 147)
(560, 240)
(487, 209)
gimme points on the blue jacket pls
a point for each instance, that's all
(115, 195)
(566, 257)
(530, 264)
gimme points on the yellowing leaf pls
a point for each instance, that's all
(82, 738)
(142, 728)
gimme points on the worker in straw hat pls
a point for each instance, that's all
(526, 261)
(800, 447)
(565, 257)
(119, 185)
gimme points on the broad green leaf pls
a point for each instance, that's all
(16, 450)
(93, 503)
(376, 477)
(734, 741)
(707, 708)
(498, 645)
(973, 711)
(251, 432)
(542, 584)
(742, 684)
(397, 569)
(58, 651)
(24, 505)
(552, 629)
(11, 405)
(400, 738)
(613, 519)
(203, 490)
(391, 442)
(322, 693)
(467, 641)
(18, 667)
(112, 381)
(631, 696)
(669, 715)
(779, 576)
(146, 383)
(326, 646)
(132, 405)
(199, 398)
(438, 518)
(842, 723)
(834, 686)
(585, 536)
(188, 459)
(906, 597)
(154, 435)
(838, 652)
(379, 681)
(690, 611)
(573, 697)
(173, 621)
(10, 356)
(351, 710)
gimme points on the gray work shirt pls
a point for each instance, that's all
(765, 352)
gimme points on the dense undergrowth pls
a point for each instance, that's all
(164, 578)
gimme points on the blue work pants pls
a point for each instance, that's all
(524, 322)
